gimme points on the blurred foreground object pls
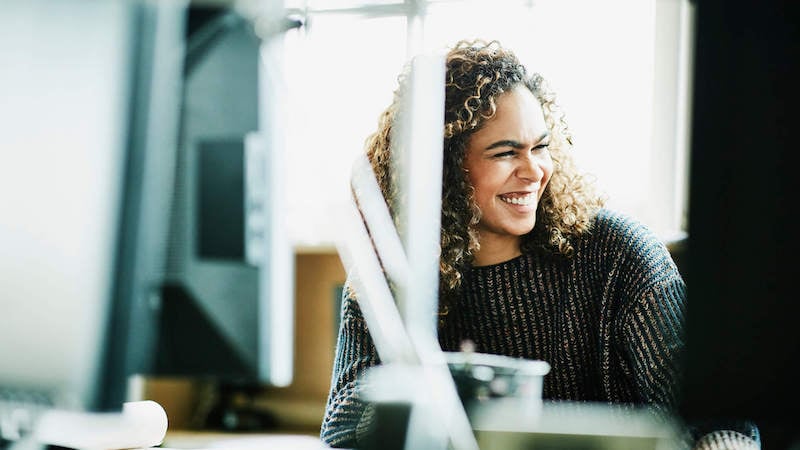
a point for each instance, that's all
(140, 424)
(566, 425)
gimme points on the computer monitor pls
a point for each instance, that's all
(90, 106)
(95, 189)
(743, 337)
(227, 309)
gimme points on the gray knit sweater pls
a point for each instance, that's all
(609, 321)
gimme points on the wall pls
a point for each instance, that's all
(319, 274)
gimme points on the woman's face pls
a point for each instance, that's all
(509, 165)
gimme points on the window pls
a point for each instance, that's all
(618, 67)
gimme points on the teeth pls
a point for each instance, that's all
(526, 200)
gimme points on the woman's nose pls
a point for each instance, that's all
(530, 167)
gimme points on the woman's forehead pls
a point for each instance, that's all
(517, 111)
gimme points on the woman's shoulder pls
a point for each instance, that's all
(620, 243)
(617, 233)
(621, 228)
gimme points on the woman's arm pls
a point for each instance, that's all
(653, 331)
(346, 413)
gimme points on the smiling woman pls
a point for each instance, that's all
(532, 264)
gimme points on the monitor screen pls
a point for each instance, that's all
(117, 193)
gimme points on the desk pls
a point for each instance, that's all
(196, 440)
(560, 426)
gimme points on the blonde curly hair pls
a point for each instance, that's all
(477, 73)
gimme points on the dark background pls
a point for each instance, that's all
(744, 308)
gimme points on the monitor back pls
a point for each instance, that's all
(89, 110)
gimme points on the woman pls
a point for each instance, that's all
(532, 264)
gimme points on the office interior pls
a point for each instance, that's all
(179, 250)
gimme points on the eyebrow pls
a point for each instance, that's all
(515, 144)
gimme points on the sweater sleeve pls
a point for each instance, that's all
(346, 413)
(653, 339)
(653, 334)
(650, 295)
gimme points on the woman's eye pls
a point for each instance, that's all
(541, 146)
(504, 154)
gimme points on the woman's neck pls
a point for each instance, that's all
(495, 251)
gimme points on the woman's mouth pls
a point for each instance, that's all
(523, 199)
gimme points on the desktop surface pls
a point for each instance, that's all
(196, 440)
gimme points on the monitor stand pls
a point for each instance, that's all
(235, 409)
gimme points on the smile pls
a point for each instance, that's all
(527, 199)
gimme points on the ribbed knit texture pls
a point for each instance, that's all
(726, 439)
(608, 320)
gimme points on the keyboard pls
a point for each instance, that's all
(19, 410)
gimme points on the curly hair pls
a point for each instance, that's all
(477, 73)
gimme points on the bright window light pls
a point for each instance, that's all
(614, 65)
